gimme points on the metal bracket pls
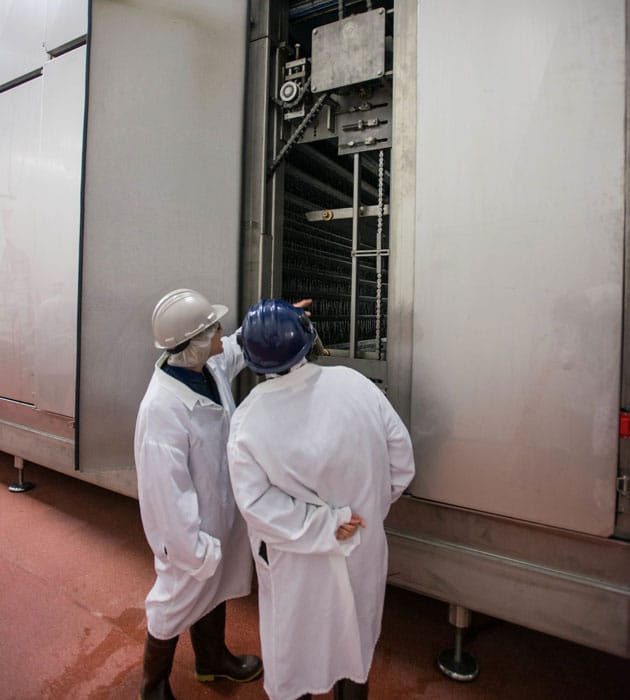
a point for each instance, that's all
(371, 253)
(344, 213)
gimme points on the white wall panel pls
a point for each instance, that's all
(21, 37)
(518, 292)
(66, 20)
(57, 251)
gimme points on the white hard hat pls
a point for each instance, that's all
(180, 315)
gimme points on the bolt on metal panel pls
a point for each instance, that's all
(349, 51)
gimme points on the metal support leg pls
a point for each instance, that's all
(455, 663)
(21, 485)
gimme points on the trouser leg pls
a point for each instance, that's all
(212, 658)
(349, 690)
(156, 668)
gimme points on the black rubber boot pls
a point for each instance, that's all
(349, 690)
(213, 659)
(156, 668)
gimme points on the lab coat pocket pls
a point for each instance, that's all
(262, 552)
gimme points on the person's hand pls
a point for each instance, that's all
(302, 304)
(346, 530)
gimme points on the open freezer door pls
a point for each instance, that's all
(519, 258)
(161, 194)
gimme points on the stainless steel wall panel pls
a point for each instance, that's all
(56, 262)
(553, 601)
(162, 194)
(66, 20)
(623, 498)
(19, 192)
(517, 317)
(21, 37)
(403, 208)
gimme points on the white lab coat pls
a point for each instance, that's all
(305, 450)
(198, 537)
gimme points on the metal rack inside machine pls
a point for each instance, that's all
(333, 133)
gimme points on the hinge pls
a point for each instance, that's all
(623, 485)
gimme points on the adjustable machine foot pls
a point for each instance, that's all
(21, 485)
(455, 663)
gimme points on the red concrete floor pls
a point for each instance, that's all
(74, 570)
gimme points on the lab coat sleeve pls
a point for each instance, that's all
(232, 356)
(402, 467)
(281, 520)
(170, 509)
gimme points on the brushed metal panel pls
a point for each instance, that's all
(21, 37)
(622, 528)
(19, 191)
(588, 556)
(37, 446)
(39, 421)
(403, 209)
(349, 51)
(574, 607)
(66, 20)
(162, 194)
(56, 262)
(517, 318)
(255, 267)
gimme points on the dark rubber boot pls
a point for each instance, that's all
(349, 690)
(156, 668)
(213, 659)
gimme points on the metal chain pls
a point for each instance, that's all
(379, 246)
(299, 132)
(381, 205)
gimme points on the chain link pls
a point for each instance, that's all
(299, 132)
(379, 246)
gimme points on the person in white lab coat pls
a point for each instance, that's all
(313, 453)
(191, 522)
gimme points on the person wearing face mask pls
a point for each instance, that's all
(198, 537)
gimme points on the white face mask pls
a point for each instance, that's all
(196, 353)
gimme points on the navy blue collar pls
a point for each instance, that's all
(200, 382)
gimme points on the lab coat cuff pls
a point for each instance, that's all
(343, 515)
(346, 547)
(211, 560)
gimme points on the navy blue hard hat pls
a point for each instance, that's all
(275, 335)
